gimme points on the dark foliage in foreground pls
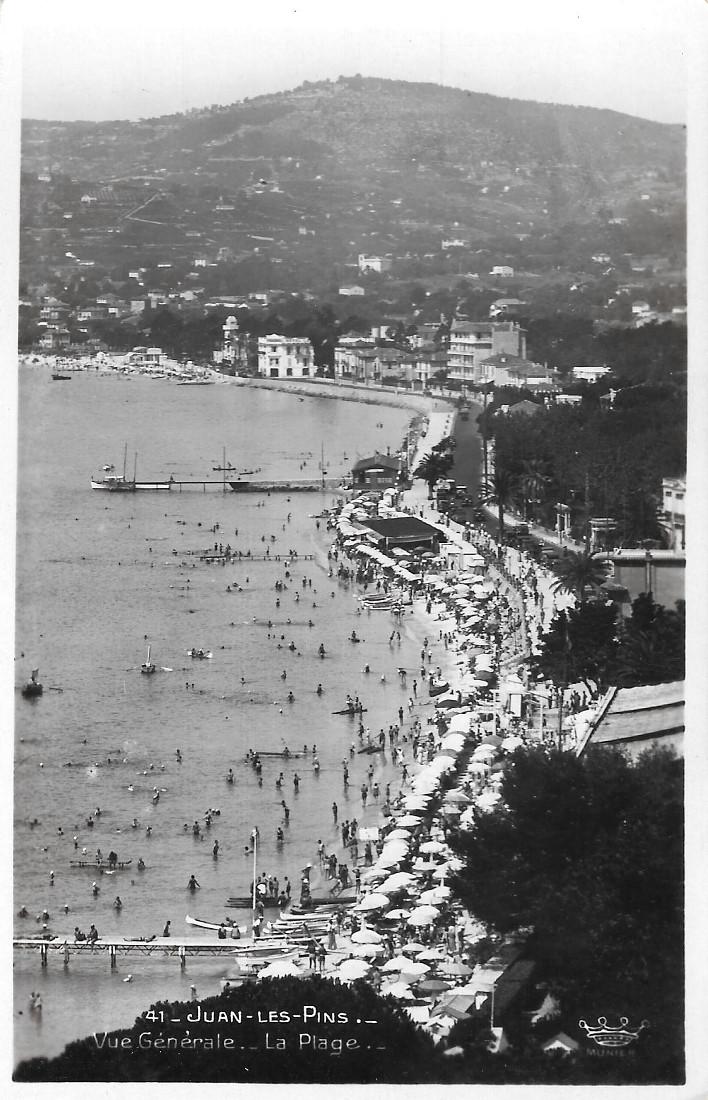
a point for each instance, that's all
(390, 1050)
(589, 853)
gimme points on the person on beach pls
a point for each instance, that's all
(193, 884)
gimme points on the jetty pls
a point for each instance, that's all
(64, 947)
(316, 485)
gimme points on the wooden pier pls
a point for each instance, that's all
(165, 946)
(317, 485)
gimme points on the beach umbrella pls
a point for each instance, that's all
(414, 969)
(512, 742)
(454, 863)
(457, 795)
(408, 821)
(399, 990)
(397, 834)
(392, 965)
(424, 864)
(351, 969)
(443, 762)
(432, 985)
(373, 873)
(453, 741)
(366, 935)
(433, 954)
(484, 752)
(391, 859)
(412, 948)
(432, 846)
(416, 802)
(423, 916)
(397, 914)
(443, 702)
(282, 968)
(366, 950)
(372, 901)
(433, 897)
(400, 880)
(395, 850)
(456, 968)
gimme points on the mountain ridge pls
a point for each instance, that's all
(360, 165)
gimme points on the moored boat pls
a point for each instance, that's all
(112, 482)
(246, 902)
(32, 688)
(147, 667)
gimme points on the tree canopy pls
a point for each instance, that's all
(432, 467)
(600, 460)
(588, 852)
(257, 1018)
(590, 642)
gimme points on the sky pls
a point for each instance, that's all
(89, 59)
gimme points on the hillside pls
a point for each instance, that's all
(307, 179)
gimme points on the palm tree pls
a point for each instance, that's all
(533, 481)
(578, 571)
(500, 488)
(432, 467)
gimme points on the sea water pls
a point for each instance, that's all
(99, 577)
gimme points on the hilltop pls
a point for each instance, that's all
(295, 185)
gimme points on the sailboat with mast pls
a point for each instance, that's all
(117, 483)
(32, 688)
(147, 667)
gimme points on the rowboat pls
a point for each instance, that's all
(285, 754)
(102, 865)
(246, 902)
(227, 923)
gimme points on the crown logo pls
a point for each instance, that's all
(606, 1036)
